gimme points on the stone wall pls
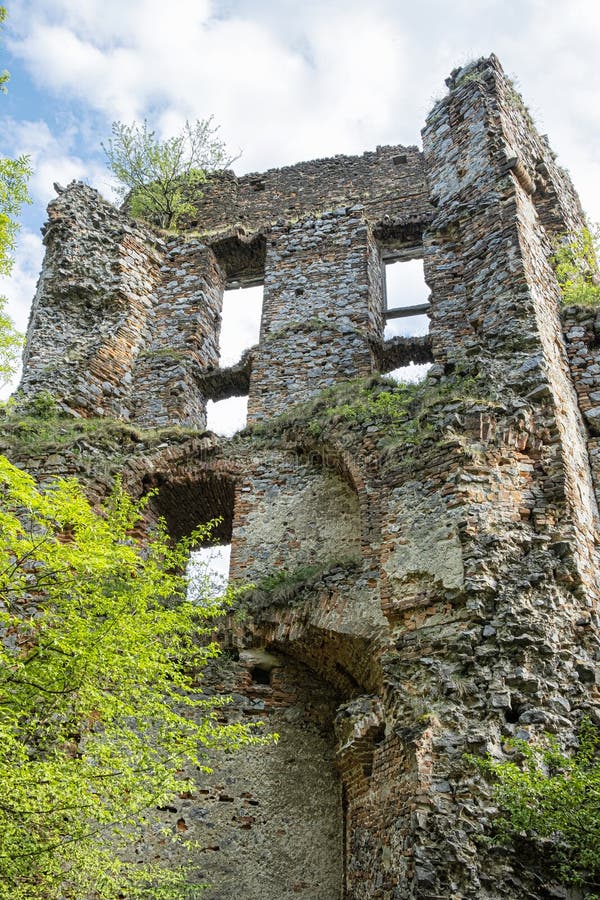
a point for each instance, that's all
(425, 559)
(390, 182)
(320, 314)
(291, 513)
(145, 347)
(93, 305)
(167, 385)
(488, 234)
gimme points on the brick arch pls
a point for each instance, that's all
(193, 498)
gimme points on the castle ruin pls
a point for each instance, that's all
(427, 574)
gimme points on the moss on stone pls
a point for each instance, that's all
(36, 434)
(282, 587)
(405, 415)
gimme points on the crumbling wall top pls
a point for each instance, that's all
(388, 182)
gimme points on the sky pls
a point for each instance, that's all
(286, 80)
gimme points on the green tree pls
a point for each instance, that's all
(11, 343)
(547, 795)
(14, 174)
(576, 265)
(100, 711)
(157, 177)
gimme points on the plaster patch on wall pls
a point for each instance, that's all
(304, 520)
(423, 547)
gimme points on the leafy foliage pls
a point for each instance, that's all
(13, 194)
(11, 343)
(405, 413)
(552, 795)
(157, 177)
(576, 266)
(99, 710)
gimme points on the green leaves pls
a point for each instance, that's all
(556, 796)
(576, 267)
(13, 194)
(14, 174)
(4, 76)
(11, 343)
(99, 706)
(159, 178)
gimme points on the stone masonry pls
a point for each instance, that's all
(426, 558)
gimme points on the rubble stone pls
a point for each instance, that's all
(424, 560)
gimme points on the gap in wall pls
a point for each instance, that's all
(240, 330)
(227, 416)
(410, 374)
(240, 322)
(405, 286)
(208, 572)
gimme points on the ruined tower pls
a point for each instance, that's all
(425, 558)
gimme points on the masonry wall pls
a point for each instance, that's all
(167, 387)
(507, 301)
(93, 306)
(291, 513)
(319, 312)
(389, 181)
(247, 841)
(424, 560)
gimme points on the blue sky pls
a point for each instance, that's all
(286, 79)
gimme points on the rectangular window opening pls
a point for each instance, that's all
(240, 322)
(411, 374)
(406, 298)
(208, 572)
(225, 417)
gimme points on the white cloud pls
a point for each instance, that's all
(227, 416)
(327, 88)
(19, 288)
(240, 325)
(208, 572)
(291, 81)
(51, 158)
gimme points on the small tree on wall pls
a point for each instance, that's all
(157, 177)
(552, 800)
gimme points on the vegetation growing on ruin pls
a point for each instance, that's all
(11, 344)
(552, 799)
(576, 265)
(282, 586)
(42, 429)
(404, 414)
(158, 179)
(100, 711)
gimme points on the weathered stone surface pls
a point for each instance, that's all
(426, 562)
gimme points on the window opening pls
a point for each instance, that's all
(410, 374)
(260, 676)
(240, 322)
(406, 299)
(406, 292)
(225, 417)
(208, 572)
(240, 330)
